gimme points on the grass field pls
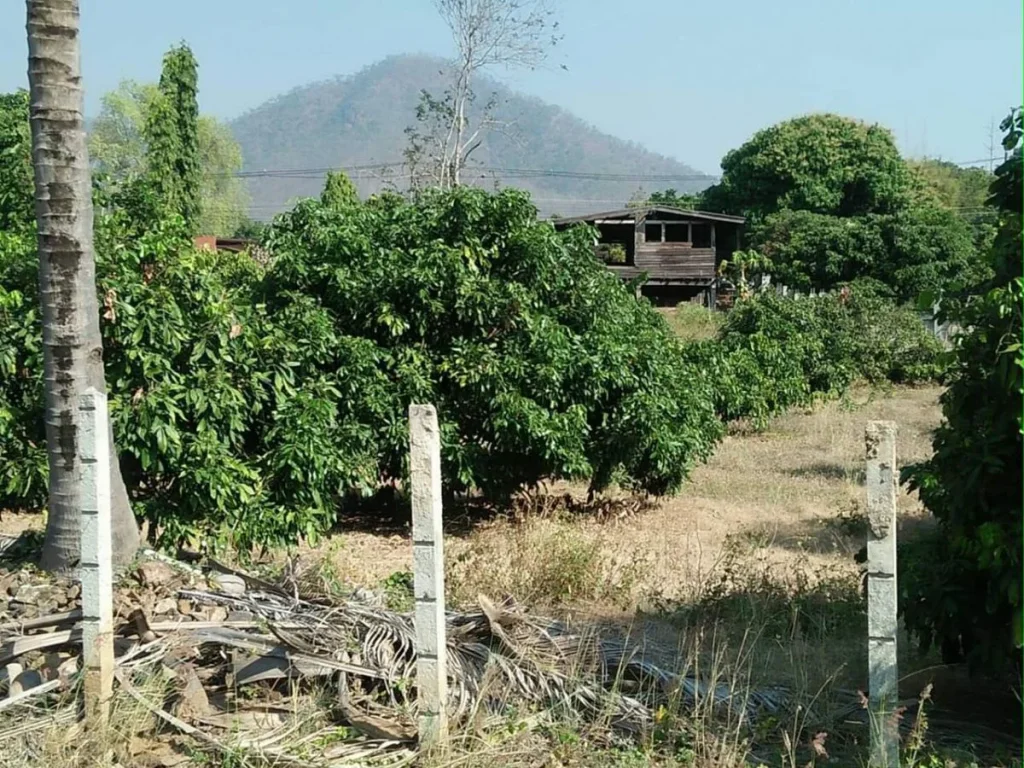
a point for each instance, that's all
(748, 574)
(747, 577)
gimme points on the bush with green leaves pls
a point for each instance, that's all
(829, 200)
(542, 364)
(249, 403)
(775, 353)
(961, 586)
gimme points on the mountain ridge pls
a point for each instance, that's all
(360, 120)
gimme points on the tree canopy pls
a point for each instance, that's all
(830, 200)
(819, 163)
(961, 587)
(118, 149)
(16, 181)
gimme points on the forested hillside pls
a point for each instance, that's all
(361, 120)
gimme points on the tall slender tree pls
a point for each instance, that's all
(172, 136)
(72, 345)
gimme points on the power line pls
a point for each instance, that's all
(366, 171)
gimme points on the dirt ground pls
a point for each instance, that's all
(792, 494)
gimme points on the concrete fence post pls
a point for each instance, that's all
(428, 574)
(883, 674)
(96, 558)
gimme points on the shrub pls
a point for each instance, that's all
(249, 402)
(961, 589)
(775, 353)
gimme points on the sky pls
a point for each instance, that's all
(687, 79)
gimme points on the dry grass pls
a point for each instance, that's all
(747, 574)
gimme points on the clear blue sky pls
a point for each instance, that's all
(688, 79)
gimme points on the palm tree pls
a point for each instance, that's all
(72, 344)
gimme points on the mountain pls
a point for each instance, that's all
(361, 120)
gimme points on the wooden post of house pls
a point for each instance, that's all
(428, 574)
(96, 557)
(883, 673)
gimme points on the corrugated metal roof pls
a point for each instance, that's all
(646, 212)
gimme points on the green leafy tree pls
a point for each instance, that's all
(223, 199)
(117, 144)
(913, 251)
(16, 204)
(830, 200)
(961, 587)
(820, 163)
(339, 192)
(172, 138)
(961, 191)
(741, 266)
(118, 149)
(252, 402)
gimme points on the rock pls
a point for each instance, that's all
(74, 591)
(219, 614)
(241, 616)
(165, 605)
(192, 699)
(227, 583)
(34, 594)
(153, 573)
(185, 607)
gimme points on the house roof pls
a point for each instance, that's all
(647, 210)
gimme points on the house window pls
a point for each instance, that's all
(701, 236)
(652, 233)
(677, 233)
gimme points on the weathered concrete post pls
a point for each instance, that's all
(883, 674)
(96, 558)
(428, 574)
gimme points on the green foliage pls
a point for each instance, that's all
(820, 163)
(223, 199)
(830, 200)
(117, 144)
(743, 264)
(339, 191)
(23, 461)
(776, 353)
(915, 250)
(961, 587)
(17, 210)
(118, 150)
(540, 361)
(172, 138)
(250, 404)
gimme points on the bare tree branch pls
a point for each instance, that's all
(509, 33)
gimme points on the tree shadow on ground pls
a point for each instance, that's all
(389, 512)
(810, 647)
(846, 533)
(824, 470)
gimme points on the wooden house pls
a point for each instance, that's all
(677, 251)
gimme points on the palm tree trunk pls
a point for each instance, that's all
(72, 344)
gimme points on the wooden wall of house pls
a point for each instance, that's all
(680, 260)
(676, 260)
